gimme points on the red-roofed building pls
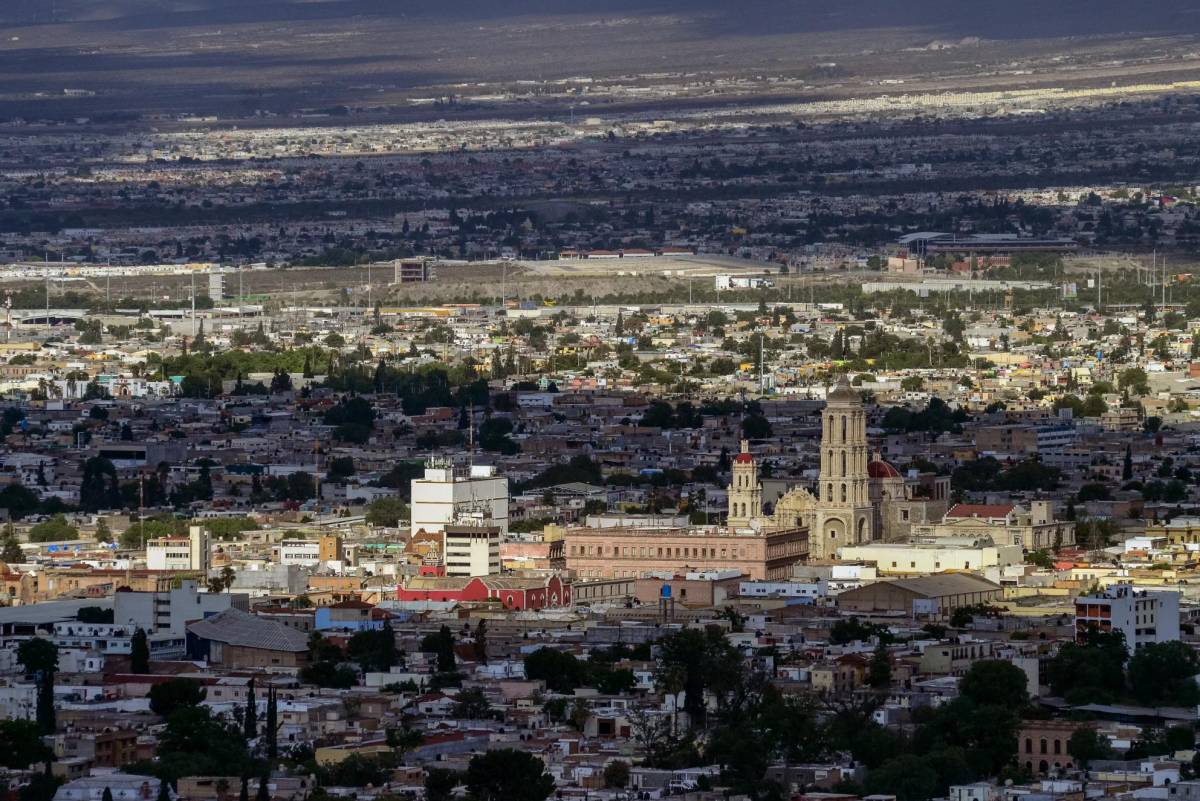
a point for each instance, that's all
(512, 593)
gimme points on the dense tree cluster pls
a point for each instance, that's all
(1100, 669)
(988, 473)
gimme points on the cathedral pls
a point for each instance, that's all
(858, 499)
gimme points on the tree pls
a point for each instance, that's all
(10, 546)
(879, 670)
(250, 715)
(106, 795)
(56, 529)
(472, 704)
(387, 512)
(755, 426)
(272, 725)
(479, 642)
(39, 657)
(38, 654)
(616, 774)
(353, 419)
(281, 381)
(139, 653)
(19, 501)
(404, 739)
(707, 663)
(1085, 746)
(852, 629)
(1127, 468)
(329, 674)
(195, 743)
(561, 671)
(441, 644)
(98, 487)
(506, 774)
(264, 787)
(440, 783)
(94, 614)
(1089, 672)
(908, 777)
(175, 694)
(494, 435)
(21, 744)
(994, 682)
(41, 787)
(222, 581)
(1093, 492)
(1134, 379)
(1161, 674)
(375, 651)
(340, 469)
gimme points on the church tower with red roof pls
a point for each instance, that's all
(745, 493)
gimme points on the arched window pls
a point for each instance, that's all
(1043, 745)
(844, 463)
(843, 429)
(1057, 746)
(1029, 749)
(843, 493)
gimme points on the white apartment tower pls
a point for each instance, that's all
(193, 552)
(449, 493)
(471, 549)
(1143, 616)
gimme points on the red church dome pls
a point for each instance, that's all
(743, 458)
(881, 469)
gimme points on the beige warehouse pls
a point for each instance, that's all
(936, 595)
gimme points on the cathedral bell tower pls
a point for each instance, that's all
(843, 509)
(745, 493)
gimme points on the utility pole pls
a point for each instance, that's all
(317, 450)
(193, 305)
(1164, 286)
(762, 378)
